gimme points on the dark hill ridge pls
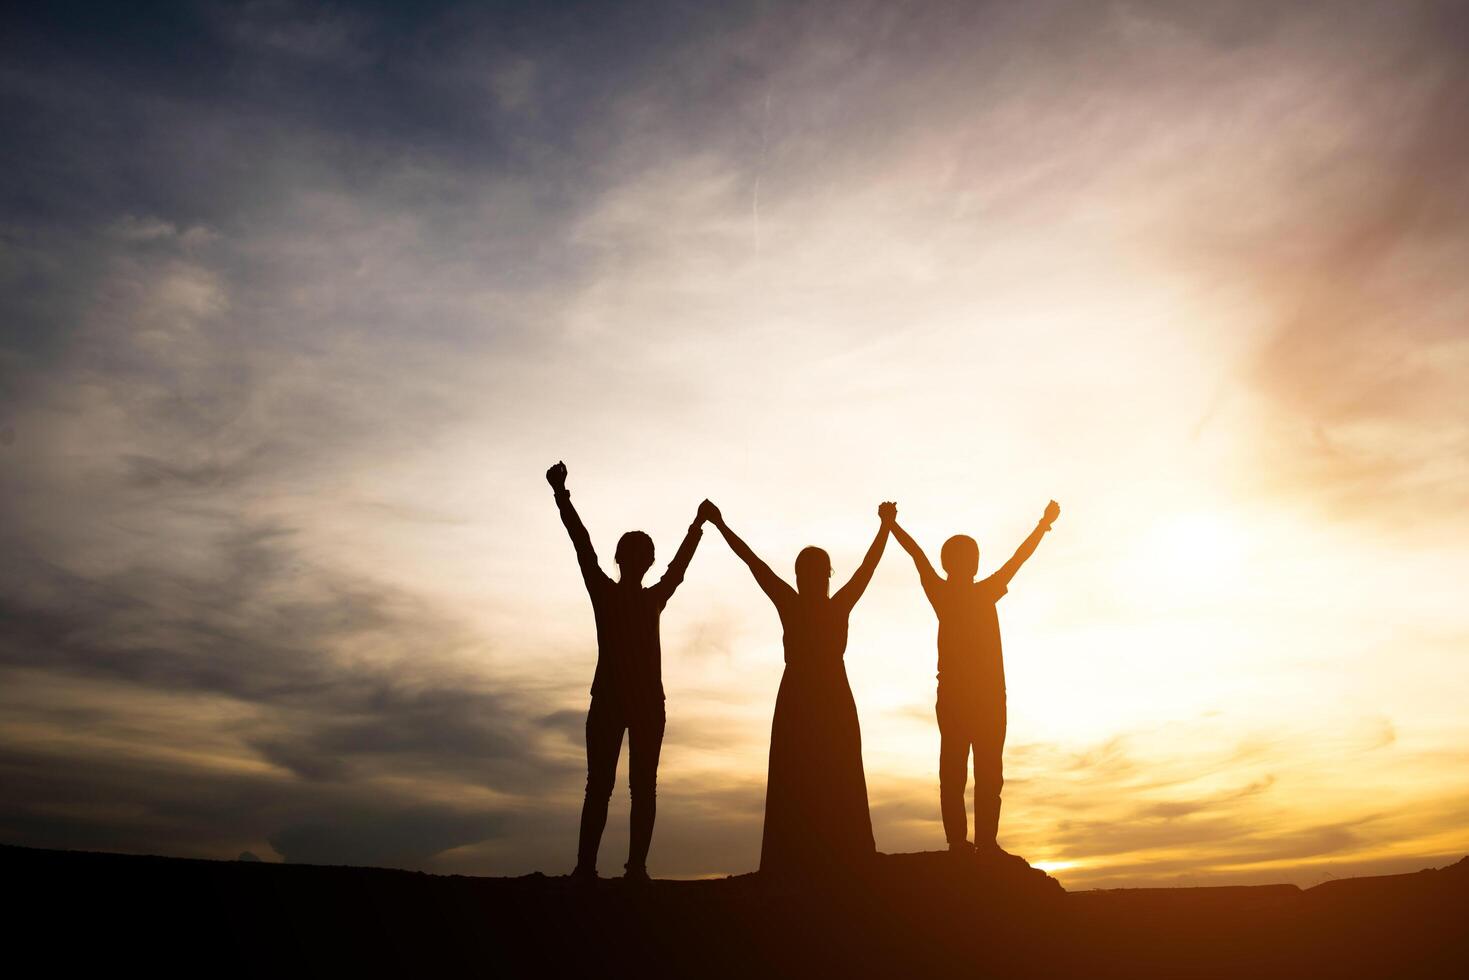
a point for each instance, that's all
(908, 915)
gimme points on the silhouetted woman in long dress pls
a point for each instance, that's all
(816, 816)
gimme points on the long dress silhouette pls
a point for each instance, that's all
(816, 816)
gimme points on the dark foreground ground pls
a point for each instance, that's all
(910, 915)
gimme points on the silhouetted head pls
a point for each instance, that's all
(960, 558)
(813, 572)
(634, 555)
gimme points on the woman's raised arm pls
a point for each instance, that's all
(772, 584)
(848, 594)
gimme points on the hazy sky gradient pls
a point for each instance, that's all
(298, 302)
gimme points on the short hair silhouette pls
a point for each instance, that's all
(634, 554)
(960, 557)
(813, 571)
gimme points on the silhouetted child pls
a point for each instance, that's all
(627, 690)
(971, 675)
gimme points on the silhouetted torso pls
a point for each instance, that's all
(629, 655)
(814, 633)
(970, 656)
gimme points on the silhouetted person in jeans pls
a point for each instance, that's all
(627, 691)
(971, 695)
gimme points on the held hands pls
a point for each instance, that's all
(708, 512)
(1053, 511)
(556, 476)
(887, 512)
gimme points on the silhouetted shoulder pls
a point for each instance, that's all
(991, 589)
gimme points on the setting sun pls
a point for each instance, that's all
(1193, 552)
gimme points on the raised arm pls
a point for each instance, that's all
(848, 594)
(772, 584)
(926, 575)
(671, 579)
(586, 557)
(1028, 546)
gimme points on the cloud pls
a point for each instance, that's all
(261, 625)
(203, 337)
(408, 837)
(1356, 268)
(1126, 811)
(109, 801)
(286, 649)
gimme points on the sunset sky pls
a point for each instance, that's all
(299, 301)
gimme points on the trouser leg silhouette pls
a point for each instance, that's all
(606, 723)
(604, 745)
(954, 741)
(968, 723)
(953, 776)
(989, 773)
(645, 744)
